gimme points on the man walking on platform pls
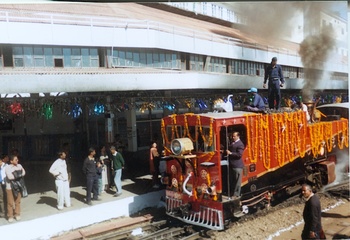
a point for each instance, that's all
(274, 74)
(311, 215)
(117, 164)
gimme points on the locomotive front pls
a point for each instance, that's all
(193, 170)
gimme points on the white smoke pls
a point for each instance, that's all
(342, 165)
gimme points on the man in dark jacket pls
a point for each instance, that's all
(90, 171)
(274, 74)
(118, 164)
(311, 214)
(235, 152)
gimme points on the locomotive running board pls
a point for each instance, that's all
(206, 217)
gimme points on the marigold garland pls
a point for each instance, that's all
(289, 130)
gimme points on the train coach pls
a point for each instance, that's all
(282, 151)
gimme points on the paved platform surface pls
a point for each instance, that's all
(40, 219)
(335, 222)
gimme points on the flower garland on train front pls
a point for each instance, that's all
(259, 130)
(174, 130)
(343, 130)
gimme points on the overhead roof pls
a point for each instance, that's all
(143, 12)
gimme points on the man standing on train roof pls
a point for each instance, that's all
(274, 74)
(258, 102)
(235, 152)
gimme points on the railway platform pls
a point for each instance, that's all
(40, 219)
(335, 222)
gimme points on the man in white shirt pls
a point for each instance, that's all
(59, 170)
(303, 107)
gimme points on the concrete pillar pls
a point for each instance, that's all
(131, 129)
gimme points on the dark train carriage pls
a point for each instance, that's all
(281, 150)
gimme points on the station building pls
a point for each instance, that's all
(82, 74)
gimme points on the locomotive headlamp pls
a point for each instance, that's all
(180, 146)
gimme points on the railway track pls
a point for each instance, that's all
(149, 226)
(340, 189)
(150, 231)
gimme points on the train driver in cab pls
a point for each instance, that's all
(235, 152)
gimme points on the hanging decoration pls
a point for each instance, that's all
(169, 106)
(125, 106)
(16, 108)
(188, 103)
(76, 111)
(201, 104)
(146, 106)
(99, 109)
(47, 110)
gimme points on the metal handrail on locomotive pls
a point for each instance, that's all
(282, 151)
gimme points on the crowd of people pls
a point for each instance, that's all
(102, 173)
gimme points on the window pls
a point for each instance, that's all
(39, 60)
(76, 57)
(143, 59)
(205, 143)
(129, 59)
(149, 59)
(48, 55)
(58, 62)
(67, 57)
(7, 54)
(204, 8)
(18, 56)
(162, 62)
(121, 58)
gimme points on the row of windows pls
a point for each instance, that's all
(143, 58)
(215, 64)
(30, 56)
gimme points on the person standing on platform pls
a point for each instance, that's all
(59, 170)
(274, 74)
(154, 160)
(66, 149)
(106, 169)
(118, 164)
(2, 188)
(13, 172)
(99, 176)
(89, 169)
(311, 215)
(235, 152)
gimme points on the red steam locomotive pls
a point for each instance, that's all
(282, 151)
